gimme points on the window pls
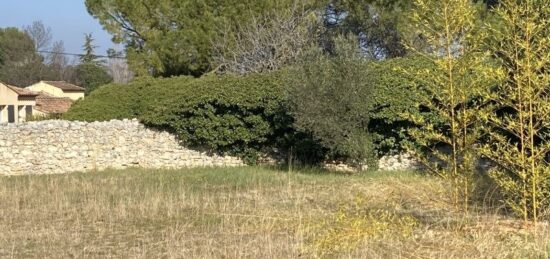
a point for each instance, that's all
(28, 112)
(11, 114)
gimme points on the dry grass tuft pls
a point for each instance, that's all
(251, 213)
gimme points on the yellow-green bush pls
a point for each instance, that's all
(354, 224)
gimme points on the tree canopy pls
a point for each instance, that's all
(176, 37)
(19, 63)
(375, 22)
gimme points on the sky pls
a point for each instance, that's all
(68, 20)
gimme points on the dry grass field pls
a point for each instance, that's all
(252, 213)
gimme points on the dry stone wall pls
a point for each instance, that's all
(400, 162)
(388, 163)
(55, 146)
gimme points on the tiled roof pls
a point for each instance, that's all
(50, 104)
(65, 86)
(21, 91)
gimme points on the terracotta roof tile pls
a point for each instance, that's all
(50, 104)
(22, 91)
(65, 86)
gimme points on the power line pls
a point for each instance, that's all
(78, 55)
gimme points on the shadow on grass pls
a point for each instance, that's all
(487, 196)
(315, 170)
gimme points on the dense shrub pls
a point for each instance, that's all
(125, 101)
(395, 101)
(330, 100)
(226, 114)
(356, 107)
(245, 115)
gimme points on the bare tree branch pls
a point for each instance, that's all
(267, 43)
(40, 35)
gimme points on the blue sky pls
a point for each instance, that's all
(68, 20)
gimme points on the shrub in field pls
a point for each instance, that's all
(330, 100)
(357, 108)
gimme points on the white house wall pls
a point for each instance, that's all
(10, 98)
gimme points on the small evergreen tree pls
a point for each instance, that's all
(89, 49)
(520, 125)
(91, 73)
(91, 76)
(453, 87)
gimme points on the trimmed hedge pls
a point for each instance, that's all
(226, 114)
(125, 101)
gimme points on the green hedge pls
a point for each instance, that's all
(226, 114)
(395, 100)
(125, 101)
(245, 115)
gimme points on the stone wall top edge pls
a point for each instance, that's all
(67, 123)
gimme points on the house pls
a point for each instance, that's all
(16, 104)
(59, 89)
(41, 99)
